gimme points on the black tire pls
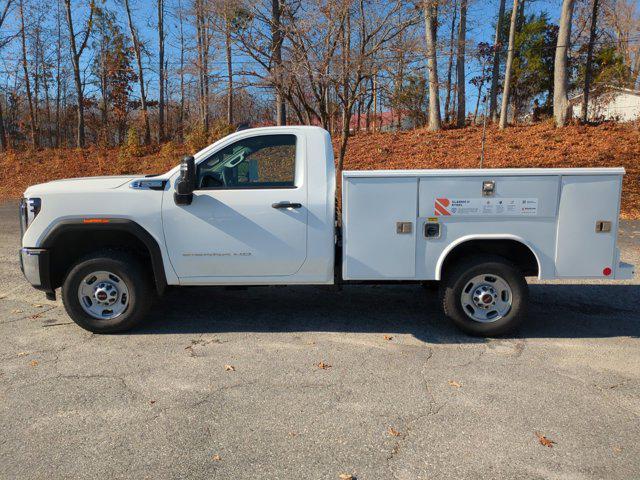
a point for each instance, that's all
(457, 279)
(125, 266)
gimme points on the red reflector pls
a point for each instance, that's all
(95, 220)
(607, 271)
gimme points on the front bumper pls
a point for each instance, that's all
(35, 265)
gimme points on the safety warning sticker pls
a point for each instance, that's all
(485, 206)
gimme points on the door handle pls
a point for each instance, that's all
(286, 205)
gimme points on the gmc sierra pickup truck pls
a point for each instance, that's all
(259, 208)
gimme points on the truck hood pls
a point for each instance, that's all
(80, 184)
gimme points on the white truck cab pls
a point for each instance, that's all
(259, 208)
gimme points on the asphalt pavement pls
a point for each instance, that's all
(228, 384)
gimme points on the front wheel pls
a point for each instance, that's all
(107, 292)
(485, 296)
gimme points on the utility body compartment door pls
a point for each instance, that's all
(581, 251)
(379, 225)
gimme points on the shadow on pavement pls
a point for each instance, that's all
(557, 311)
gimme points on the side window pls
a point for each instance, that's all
(265, 161)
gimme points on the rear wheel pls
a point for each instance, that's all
(485, 296)
(107, 292)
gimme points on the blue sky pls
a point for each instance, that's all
(481, 18)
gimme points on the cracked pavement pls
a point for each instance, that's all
(159, 403)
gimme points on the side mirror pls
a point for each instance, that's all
(186, 183)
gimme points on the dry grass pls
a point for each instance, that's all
(607, 145)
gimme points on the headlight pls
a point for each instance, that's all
(29, 210)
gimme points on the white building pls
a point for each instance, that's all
(614, 103)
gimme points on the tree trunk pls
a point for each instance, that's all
(227, 42)
(58, 74)
(560, 72)
(47, 101)
(76, 53)
(4, 145)
(507, 73)
(346, 88)
(430, 20)
(137, 49)
(475, 111)
(447, 100)
(495, 75)
(587, 72)
(181, 112)
(161, 72)
(202, 31)
(276, 57)
(461, 77)
(27, 84)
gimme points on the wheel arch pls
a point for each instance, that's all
(70, 238)
(513, 247)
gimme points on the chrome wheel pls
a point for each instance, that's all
(486, 298)
(103, 295)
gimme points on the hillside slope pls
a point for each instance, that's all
(606, 145)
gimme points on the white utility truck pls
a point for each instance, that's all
(258, 208)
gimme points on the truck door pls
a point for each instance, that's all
(248, 217)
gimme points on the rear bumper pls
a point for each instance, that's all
(625, 271)
(35, 265)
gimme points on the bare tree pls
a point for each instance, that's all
(460, 71)
(137, 48)
(227, 50)
(182, 48)
(27, 84)
(315, 38)
(452, 33)
(493, 95)
(507, 74)
(230, 17)
(4, 144)
(59, 73)
(431, 25)
(161, 72)
(622, 19)
(276, 58)
(203, 42)
(76, 54)
(588, 65)
(561, 70)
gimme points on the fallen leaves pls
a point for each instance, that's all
(393, 432)
(387, 337)
(454, 384)
(151, 402)
(33, 363)
(603, 145)
(547, 442)
(323, 366)
(230, 368)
